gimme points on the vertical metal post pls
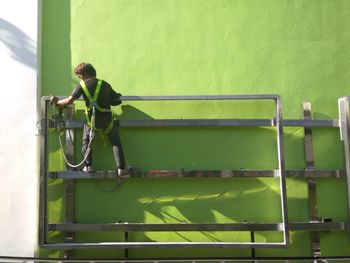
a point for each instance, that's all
(310, 165)
(252, 239)
(43, 220)
(126, 238)
(309, 153)
(282, 170)
(344, 123)
(69, 184)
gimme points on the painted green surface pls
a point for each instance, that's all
(296, 48)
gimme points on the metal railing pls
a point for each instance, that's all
(315, 224)
(179, 260)
(280, 173)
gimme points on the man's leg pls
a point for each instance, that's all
(86, 141)
(118, 152)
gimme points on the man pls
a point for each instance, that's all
(98, 96)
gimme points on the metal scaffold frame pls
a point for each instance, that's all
(344, 123)
(314, 225)
(175, 260)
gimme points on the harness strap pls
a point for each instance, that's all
(93, 104)
(93, 100)
(86, 91)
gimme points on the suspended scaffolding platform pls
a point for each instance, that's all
(315, 224)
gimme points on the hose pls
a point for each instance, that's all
(86, 154)
(91, 135)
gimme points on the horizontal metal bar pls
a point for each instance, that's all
(202, 97)
(197, 123)
(316, 173)
(166, 227)
(214, 122)
(111, 245)
(225, 123)
(199, 173)
(172, 227)
(291, 259)
(192, 97)
(318, 226)
(311, 123)
(185, 123)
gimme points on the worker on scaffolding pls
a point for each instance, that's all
(99, 97)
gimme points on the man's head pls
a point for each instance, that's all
(85, 70)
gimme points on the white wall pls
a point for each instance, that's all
(18, 117)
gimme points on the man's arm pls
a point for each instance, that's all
(115, 98)
(62, 102)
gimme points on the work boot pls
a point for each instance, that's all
(87, 169)
(125, 172)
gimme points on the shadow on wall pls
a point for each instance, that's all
(129, 112)
(17, 44)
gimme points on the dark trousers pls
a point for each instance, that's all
(113, 136)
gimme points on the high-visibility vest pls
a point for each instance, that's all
(94, 106)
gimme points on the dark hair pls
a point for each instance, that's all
(85, 69)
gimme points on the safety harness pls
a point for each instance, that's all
(93, 106)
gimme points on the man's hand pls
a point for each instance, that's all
(53, 100)
(62, 102)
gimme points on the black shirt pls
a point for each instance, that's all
(103, 100)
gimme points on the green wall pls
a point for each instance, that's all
(298, 49)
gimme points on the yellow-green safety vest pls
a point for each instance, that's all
(94, 106)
